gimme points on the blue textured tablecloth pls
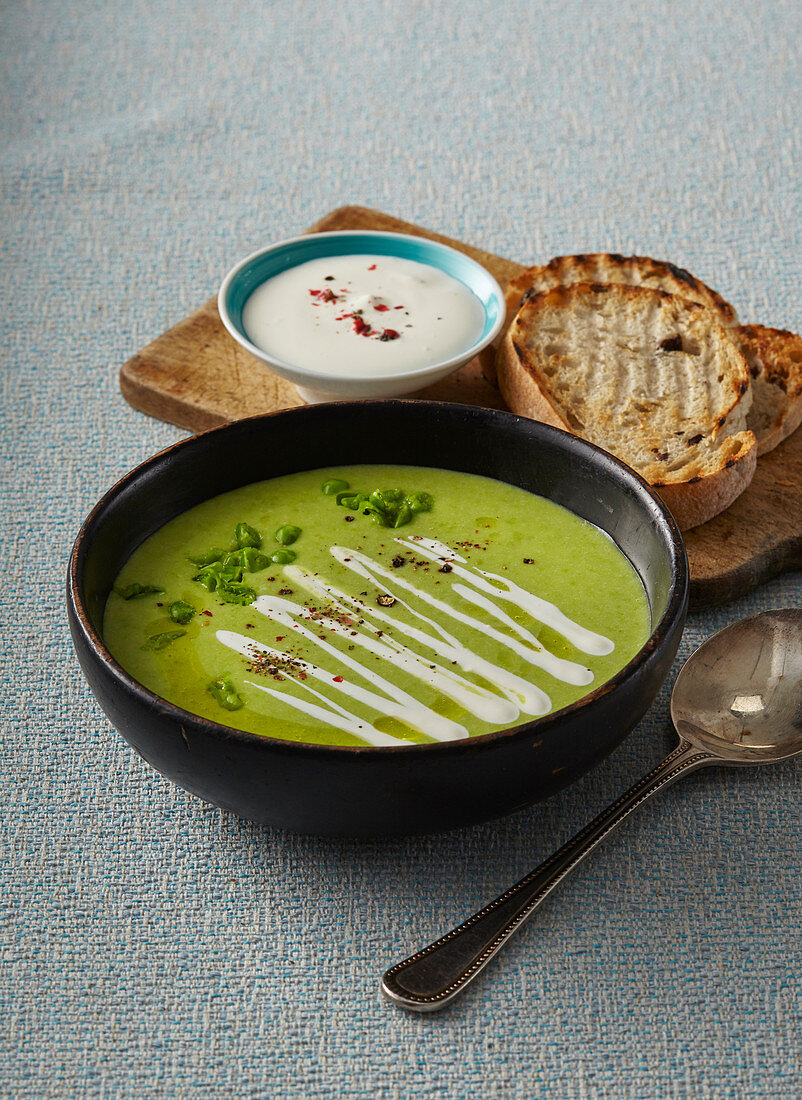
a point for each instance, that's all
(152, 945)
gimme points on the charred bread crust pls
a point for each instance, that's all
(699, 499)
(775, 364)
(611, 267)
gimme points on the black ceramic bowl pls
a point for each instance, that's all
(368, 791)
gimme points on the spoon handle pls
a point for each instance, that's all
(433, 977)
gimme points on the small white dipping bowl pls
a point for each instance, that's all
(314, 386)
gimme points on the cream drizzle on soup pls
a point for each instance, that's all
(501, 704)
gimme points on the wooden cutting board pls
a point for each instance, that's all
(197, 377)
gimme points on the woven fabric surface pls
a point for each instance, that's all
(153, 945)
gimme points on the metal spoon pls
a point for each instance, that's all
(737, 701)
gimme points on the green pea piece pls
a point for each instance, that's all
(376, 500)
(379, 517)
(245, 535)
(248, 560)
(136, 591)
(288, 534)
(380, 511)
(215, 554)
(403, 515)
(235, 592)
(253, 560)
(225, 693)
(333, 485)
(161, 641)
(283, 557)
(213, 575)
(420, 502)
(386, 507)
(181, 612)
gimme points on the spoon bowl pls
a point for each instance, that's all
(739, 696)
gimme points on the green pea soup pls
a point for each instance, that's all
(376, 605)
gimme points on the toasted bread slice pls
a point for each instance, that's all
(775, 363)
(609, 267)
(649, 376)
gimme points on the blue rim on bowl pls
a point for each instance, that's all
(255, 269)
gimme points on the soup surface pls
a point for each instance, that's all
(376, 605)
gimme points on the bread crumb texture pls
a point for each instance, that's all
(650, 376)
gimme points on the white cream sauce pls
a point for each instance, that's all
(362, 315)
(407, 709)
(523, 695)
(536, 654)
(547, 613)
(346, 616)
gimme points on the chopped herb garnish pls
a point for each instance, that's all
(161, 641)
(249, 560)
(420, 502)
(181, 612)
(222, 570)
(284, 557)
(215, 554)
(288, 534)
(135, 591)
(386, 498)
(351, 500)
(386, 507)
(403, 515)
(225, 693)
(235, 592)
(245, 535)
(212, 575)
(333, 485)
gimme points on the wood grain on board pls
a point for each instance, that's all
(197, 377)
